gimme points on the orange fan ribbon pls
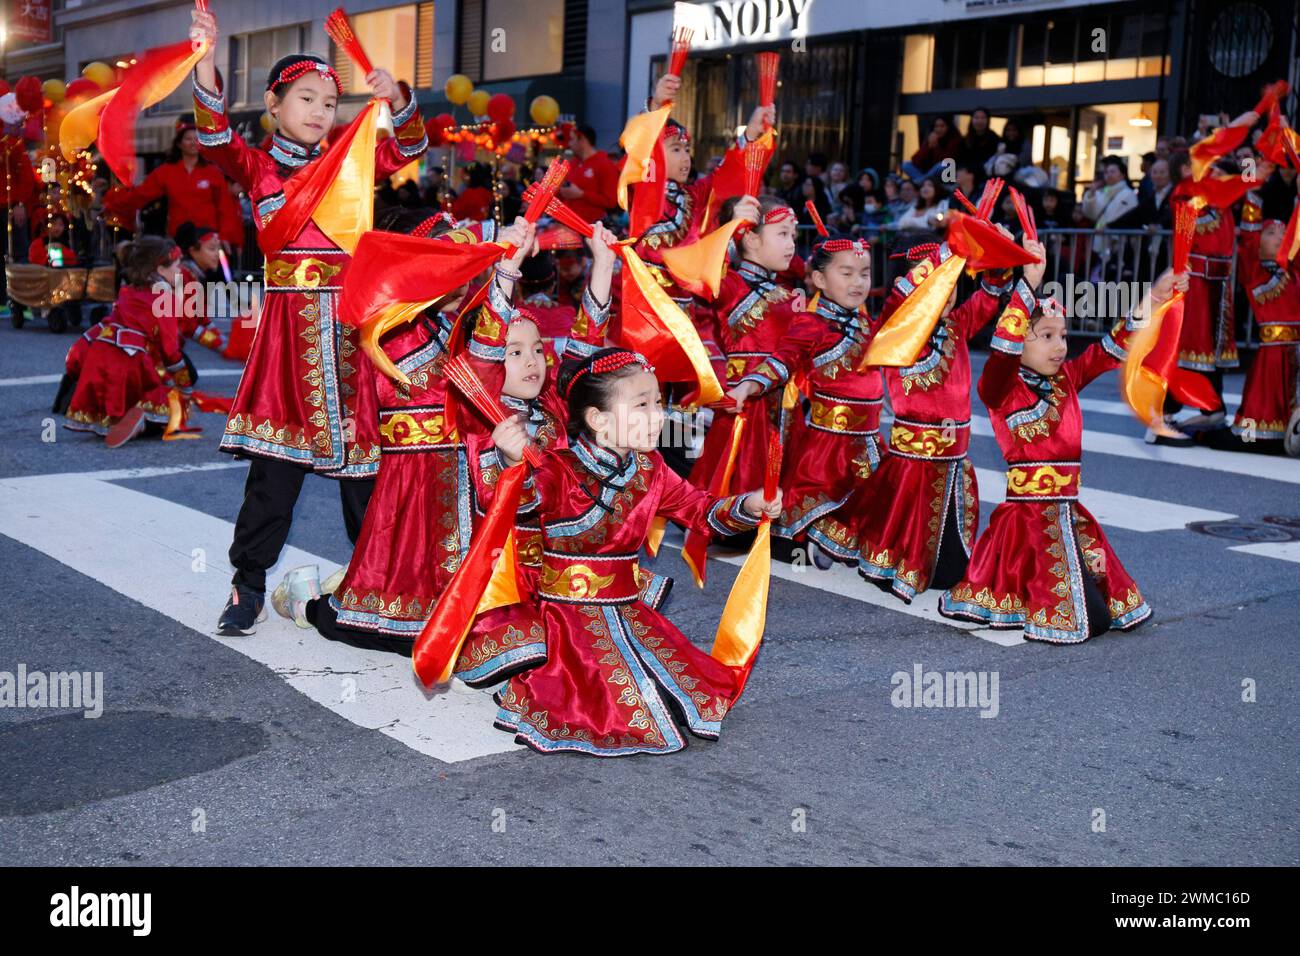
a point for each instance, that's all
(744, 618)
(153, 78)
(480, 583)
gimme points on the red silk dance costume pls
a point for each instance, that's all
(1208, 340)
(754, 315)
(1269, 397)
(304, 378)
(834, 445)
(126, 361)
(926, 480)
(1028, 568)
(617, 672)
(418, 524)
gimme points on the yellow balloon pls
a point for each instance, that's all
(53, 90)
(544, 110)
(458, 88)
(268, 122)
(478, 102)
(99, 73)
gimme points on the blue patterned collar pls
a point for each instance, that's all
(1039, 383)
(530, 407)
(835, 312)
(603, 463)
(754, 273)
(286, 152)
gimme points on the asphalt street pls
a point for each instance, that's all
(1133, 748)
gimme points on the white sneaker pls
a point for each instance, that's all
(295, 589)
(331, 583)
(1167, 434)
(1291, 441)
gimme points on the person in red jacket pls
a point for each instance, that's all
(54, 237)
(592, 187)
(196, 191)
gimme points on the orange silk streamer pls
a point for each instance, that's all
(638, 141)
(1222, 141)
(347, 210)
(150, 81)
(700, 266)
(81, 125)
(900, 340)
(695, 550)
(745, 616)
(1144, 388)
(438, 646)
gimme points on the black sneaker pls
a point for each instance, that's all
(244, 611)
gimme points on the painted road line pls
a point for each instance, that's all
(1283, 551)
(845, 582)
(1111, 508)
(55, 379)
(1267, 467)
(108, 532)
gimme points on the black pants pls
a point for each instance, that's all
(263, 524)
(322, 614)
(951, 561)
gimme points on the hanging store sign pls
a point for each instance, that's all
(736, 22)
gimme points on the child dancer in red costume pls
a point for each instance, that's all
(917, 527)
(1043, 564)
(1268, 400)
(124, 370)
(304, 403)
(832, 448)
(619, 677)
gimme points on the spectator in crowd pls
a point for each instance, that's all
(475, 201)
(813, 188)
(790, 189)
(1144, 185)
(816, 167)
(592, 188)
(1108, 198)
(968, 181)
(1015, 143)
(940, 144)
(869, 182)
(874, 213)
(51, 246)
(927, 213)
(847, 210)
(837, 179)
(904, 199)
(980, 142)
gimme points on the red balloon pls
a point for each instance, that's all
(28, 94)
(438, 127)
(501, 108)
(502, 130)
(80, 87)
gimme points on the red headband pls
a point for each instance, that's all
(423, 229)
(173, 255)
(611, 362)
(859, 247)
(779, 214)
(295, 70)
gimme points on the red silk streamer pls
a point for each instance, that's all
(436, 649)
(461, 374)
(340, 31)
(816, 218)
(983, 245)
(970, 206)
(681, 49)
(116, 136)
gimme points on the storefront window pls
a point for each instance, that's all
(523, 38)
(1092, 48)
(918, 62)
(253, 54)
(388, 37)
